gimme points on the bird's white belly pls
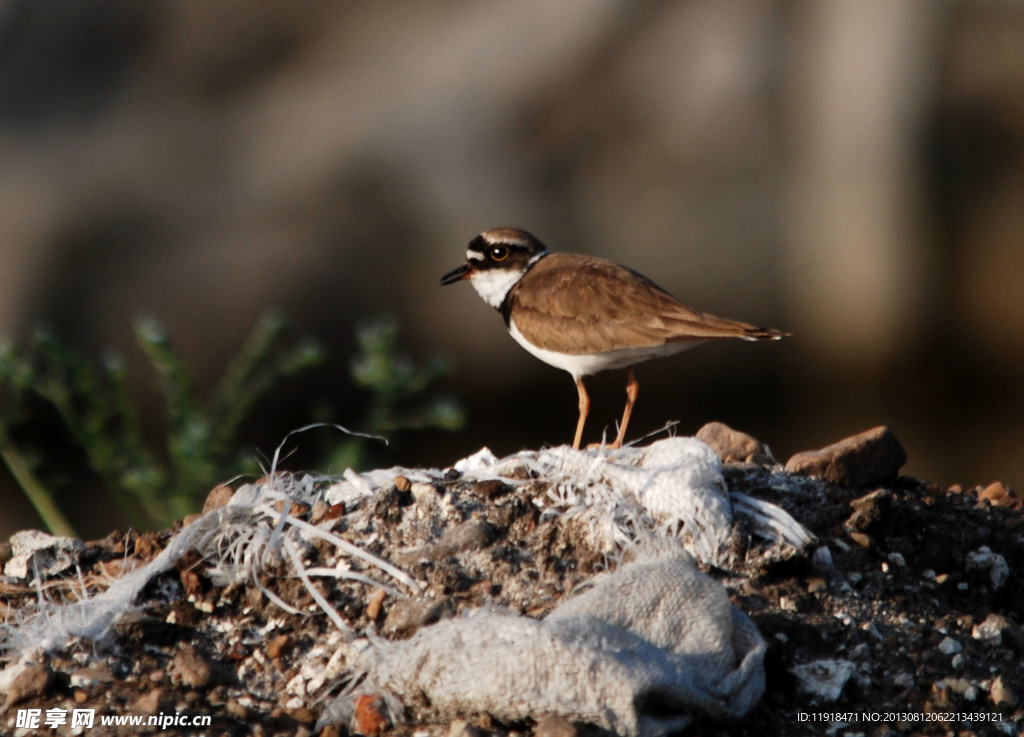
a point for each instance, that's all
(585, 364)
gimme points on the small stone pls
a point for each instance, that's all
(998, 494)
(193, 669)
(869, 510)
(91, 677)
(238, 711)
(871, 457)
(376, 603)
(863, 540)
(492, 488)
(897, 560)
(369, 719)
(731, 445)
(822, 559)
(1001, 694)
(983, 559)
(948, 646)
(36, 553)
(406, 616)
(555, 726)
(903, 680)
(148, 703)
(816, 585)
(991, 630)
(403, 484)
(473, 534)
(420, 489)
(319, 511)
(218, 497)
(278, 646)
(462, 728)
(33, 679)
(824, 678)
(860, 652)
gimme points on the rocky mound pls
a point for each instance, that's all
(885, 605)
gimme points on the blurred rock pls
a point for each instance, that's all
(730, 445)
(871, 457)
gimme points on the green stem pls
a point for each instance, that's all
(38, 494)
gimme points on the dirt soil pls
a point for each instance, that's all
(904, 616)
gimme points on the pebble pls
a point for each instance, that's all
(218, 497)
(193, 669)
(369, 719)
(869, 510)
(999, 494)
(34, 550)
(731, 445)
(871, 457)
(824, 678)
(406, 616)
(33, 679)
(863, 540)
(555, 726)
(376, 603)
(897, 560)
(492, 488)
(277, 646)
(991, 630)
(948, 646)
(822, 559)
(462, 728)
(91, 677)
(984, 559)
(148, 703)
(1001, 694)
(473, 534)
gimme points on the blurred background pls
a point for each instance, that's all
(849, 170)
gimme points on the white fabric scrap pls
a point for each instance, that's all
(675, 483)
(642, 652)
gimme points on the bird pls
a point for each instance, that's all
(585, 314)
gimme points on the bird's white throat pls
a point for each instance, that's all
(493, 284)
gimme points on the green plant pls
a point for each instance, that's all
(397, 386)
(97, 409)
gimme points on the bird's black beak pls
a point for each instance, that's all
(463, 272)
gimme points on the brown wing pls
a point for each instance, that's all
(587, 305)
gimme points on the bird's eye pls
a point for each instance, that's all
(499, 253)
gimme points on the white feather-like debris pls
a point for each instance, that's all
(671, 488)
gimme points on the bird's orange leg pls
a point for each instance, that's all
(584, 410)
(632, 389)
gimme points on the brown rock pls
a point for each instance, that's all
(402, 483)
(492, 488)
(148, 703)
(278, 646)
(373, 608)
(998, 494)
(194, 670)
(863, 540)
(33, 680)
(406, 616)
(871, 457)
(555, 726)
(1001, 694)
(369, 719)
(731, 445)
(868, 510)
(218, 497)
